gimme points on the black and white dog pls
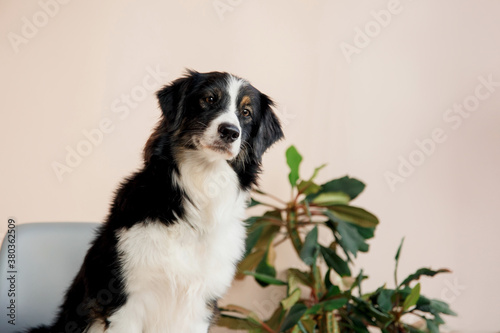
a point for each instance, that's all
(175, 230)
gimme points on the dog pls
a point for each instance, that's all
(175, 231)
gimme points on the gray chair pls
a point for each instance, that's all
(48, 256)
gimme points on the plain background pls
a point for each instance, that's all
(361, 114)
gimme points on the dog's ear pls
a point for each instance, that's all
(171, 99)
(269, 128)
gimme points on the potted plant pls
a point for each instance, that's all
(315, 302)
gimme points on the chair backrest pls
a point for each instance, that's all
(47, 258)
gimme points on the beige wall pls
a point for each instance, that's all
(358, 113)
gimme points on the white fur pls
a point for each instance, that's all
(234, 85)
(172, 272)
(228, 116)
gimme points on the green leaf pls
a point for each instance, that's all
(250, 316)
(276, 319)
(266, 278)
(399, 250)
(412, 298)
(308, 324)
(310, 248)
(300, 276)
(398, 254)
(293, 159)
(350, 186)
(431, 326)
(288, 302)
(331, 198)
(358, 325)
(354, 215)
(267, 235)
(384, 299)
(265, 267)
(333, 304)
(315, 173)
(328, 282)
(357, 282)
(441, 307)
(336, 328)
(253, 238)
(369, 311)
(332, 291)
(335, 262)
(251, 221)
(315, 309)
(253, 203)
(318, 286)
(249, 263)
(407, 328)
(236, 323)
(423, 271)
(308, 187)
(366, 233)
(293, 283)
(294, 235)
(308, 209)
(351, 240)
(293, 316)
(327, 323)
(437, 319)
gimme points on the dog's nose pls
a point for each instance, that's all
(228, 132)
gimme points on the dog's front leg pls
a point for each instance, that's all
(126, 320)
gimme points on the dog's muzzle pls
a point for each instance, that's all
(228, 132)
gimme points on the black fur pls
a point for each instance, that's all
(150, 194)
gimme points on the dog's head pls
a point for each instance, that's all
(217, 114)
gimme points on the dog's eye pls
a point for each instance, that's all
(246, 113)
(210, 100)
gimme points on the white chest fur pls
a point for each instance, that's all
(173, 272)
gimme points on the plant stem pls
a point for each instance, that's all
(271, 206)
(309, 223)
(396, 276)
(273, 197)
(266, 327)
(314, 297)
(273, 221)
(281, 240)
(291, 225)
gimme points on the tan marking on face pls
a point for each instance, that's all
(245, 101)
